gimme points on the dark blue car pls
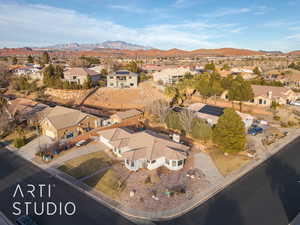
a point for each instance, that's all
(254, 130)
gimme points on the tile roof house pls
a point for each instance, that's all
(171, 75)
(129, 114)
(144, 149)
(62, 123)
(265, 95)
(24, 109)
(79, 75)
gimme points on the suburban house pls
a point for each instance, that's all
(290, 77)
(122, 79)
(61, 123)
(144, 149)
(171, 75)
(265, 95)
(24, 110)
(78, 75)
(33, 71)
(212, 113)
(122, 116)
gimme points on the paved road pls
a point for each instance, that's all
(15, 170)
(268, 195)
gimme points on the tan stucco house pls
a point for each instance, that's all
(125, 115)
(265, 95)
(61, 123)
(144, 149)
(78, 75)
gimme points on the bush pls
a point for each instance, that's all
(201, 130)
(292, 124)
(277, 118)
(19, 142)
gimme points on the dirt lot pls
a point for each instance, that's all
(115, 98)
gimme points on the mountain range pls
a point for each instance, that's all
(122, 45)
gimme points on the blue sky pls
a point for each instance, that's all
(164, 24)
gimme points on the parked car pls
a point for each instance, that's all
(80, 143)
(254, 130)
(297, 103)
(25, 220)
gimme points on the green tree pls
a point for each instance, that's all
(104, 72)
(210, 66)
(256, 71)
(240, 91)
(14, 60)
(30, 59)
(88, 83)
(133, 67)
(225, 67)
(229, 133)
(143, 76)
(45, 58)
(173, 121)
(201, 130)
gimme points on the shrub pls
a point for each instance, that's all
(277, 118)
(19, 142)
(172, 121)
(201, 130)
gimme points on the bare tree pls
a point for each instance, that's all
(159, 108)
(186, 118)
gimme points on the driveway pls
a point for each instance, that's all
(29, 150)
(204, 163)
(80, 151)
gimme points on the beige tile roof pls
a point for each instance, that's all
(62, 117)
(80, 71)
(260, 90)
(145, 145)
(127, 114)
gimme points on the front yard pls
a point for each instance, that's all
(86, 165)
(229, 163)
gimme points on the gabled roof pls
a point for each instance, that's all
(127, 114)
(144, 145)
(62, 117)
(260, 90)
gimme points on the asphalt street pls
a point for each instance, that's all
(15, 170)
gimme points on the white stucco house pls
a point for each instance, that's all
(144, 149)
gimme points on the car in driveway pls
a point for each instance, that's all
(296, 103)
(254, 130)
(25, 220)
(81, 143)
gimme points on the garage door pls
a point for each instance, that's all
(50, 133)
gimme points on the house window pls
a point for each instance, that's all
(252, 101)
(111, 77)
(74, 77)
(180, 162)
(129, 77)
(153, 161)
(167, 161)
(260, 101)
(265, 102)
(174, 163)
(111, 84)
(131, 84)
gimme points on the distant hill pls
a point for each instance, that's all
(122, 45)
(272, 52)
(294, 52)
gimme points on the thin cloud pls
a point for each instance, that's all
(127, 8)
(185, 3)
(227, 12)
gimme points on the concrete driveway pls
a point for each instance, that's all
(80, 151)
(29, 150)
